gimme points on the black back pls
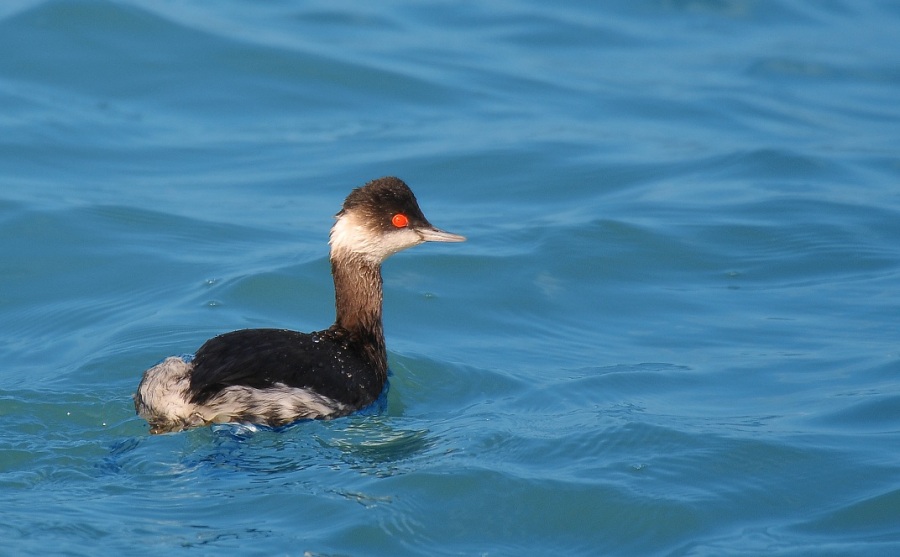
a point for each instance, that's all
(326, 362)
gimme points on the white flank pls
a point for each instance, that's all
(163, 399)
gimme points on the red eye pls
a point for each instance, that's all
(400, 221)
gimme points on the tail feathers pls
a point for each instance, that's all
(162, 397)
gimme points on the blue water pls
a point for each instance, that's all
(673, 330)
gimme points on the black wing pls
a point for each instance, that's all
(259, 358)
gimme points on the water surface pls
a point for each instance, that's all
(673, 330)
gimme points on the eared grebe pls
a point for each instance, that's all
(274, 376)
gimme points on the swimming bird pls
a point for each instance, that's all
(274, 376)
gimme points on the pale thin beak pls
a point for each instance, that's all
(437, 235)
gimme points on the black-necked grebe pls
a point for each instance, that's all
(274, 376)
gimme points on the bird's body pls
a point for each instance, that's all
(276, 376)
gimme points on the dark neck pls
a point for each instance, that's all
(357, 299)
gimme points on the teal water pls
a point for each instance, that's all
(673, 330)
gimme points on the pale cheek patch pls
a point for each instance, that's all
(349, 234)
(398, 240)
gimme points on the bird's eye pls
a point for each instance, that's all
(400, 220)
